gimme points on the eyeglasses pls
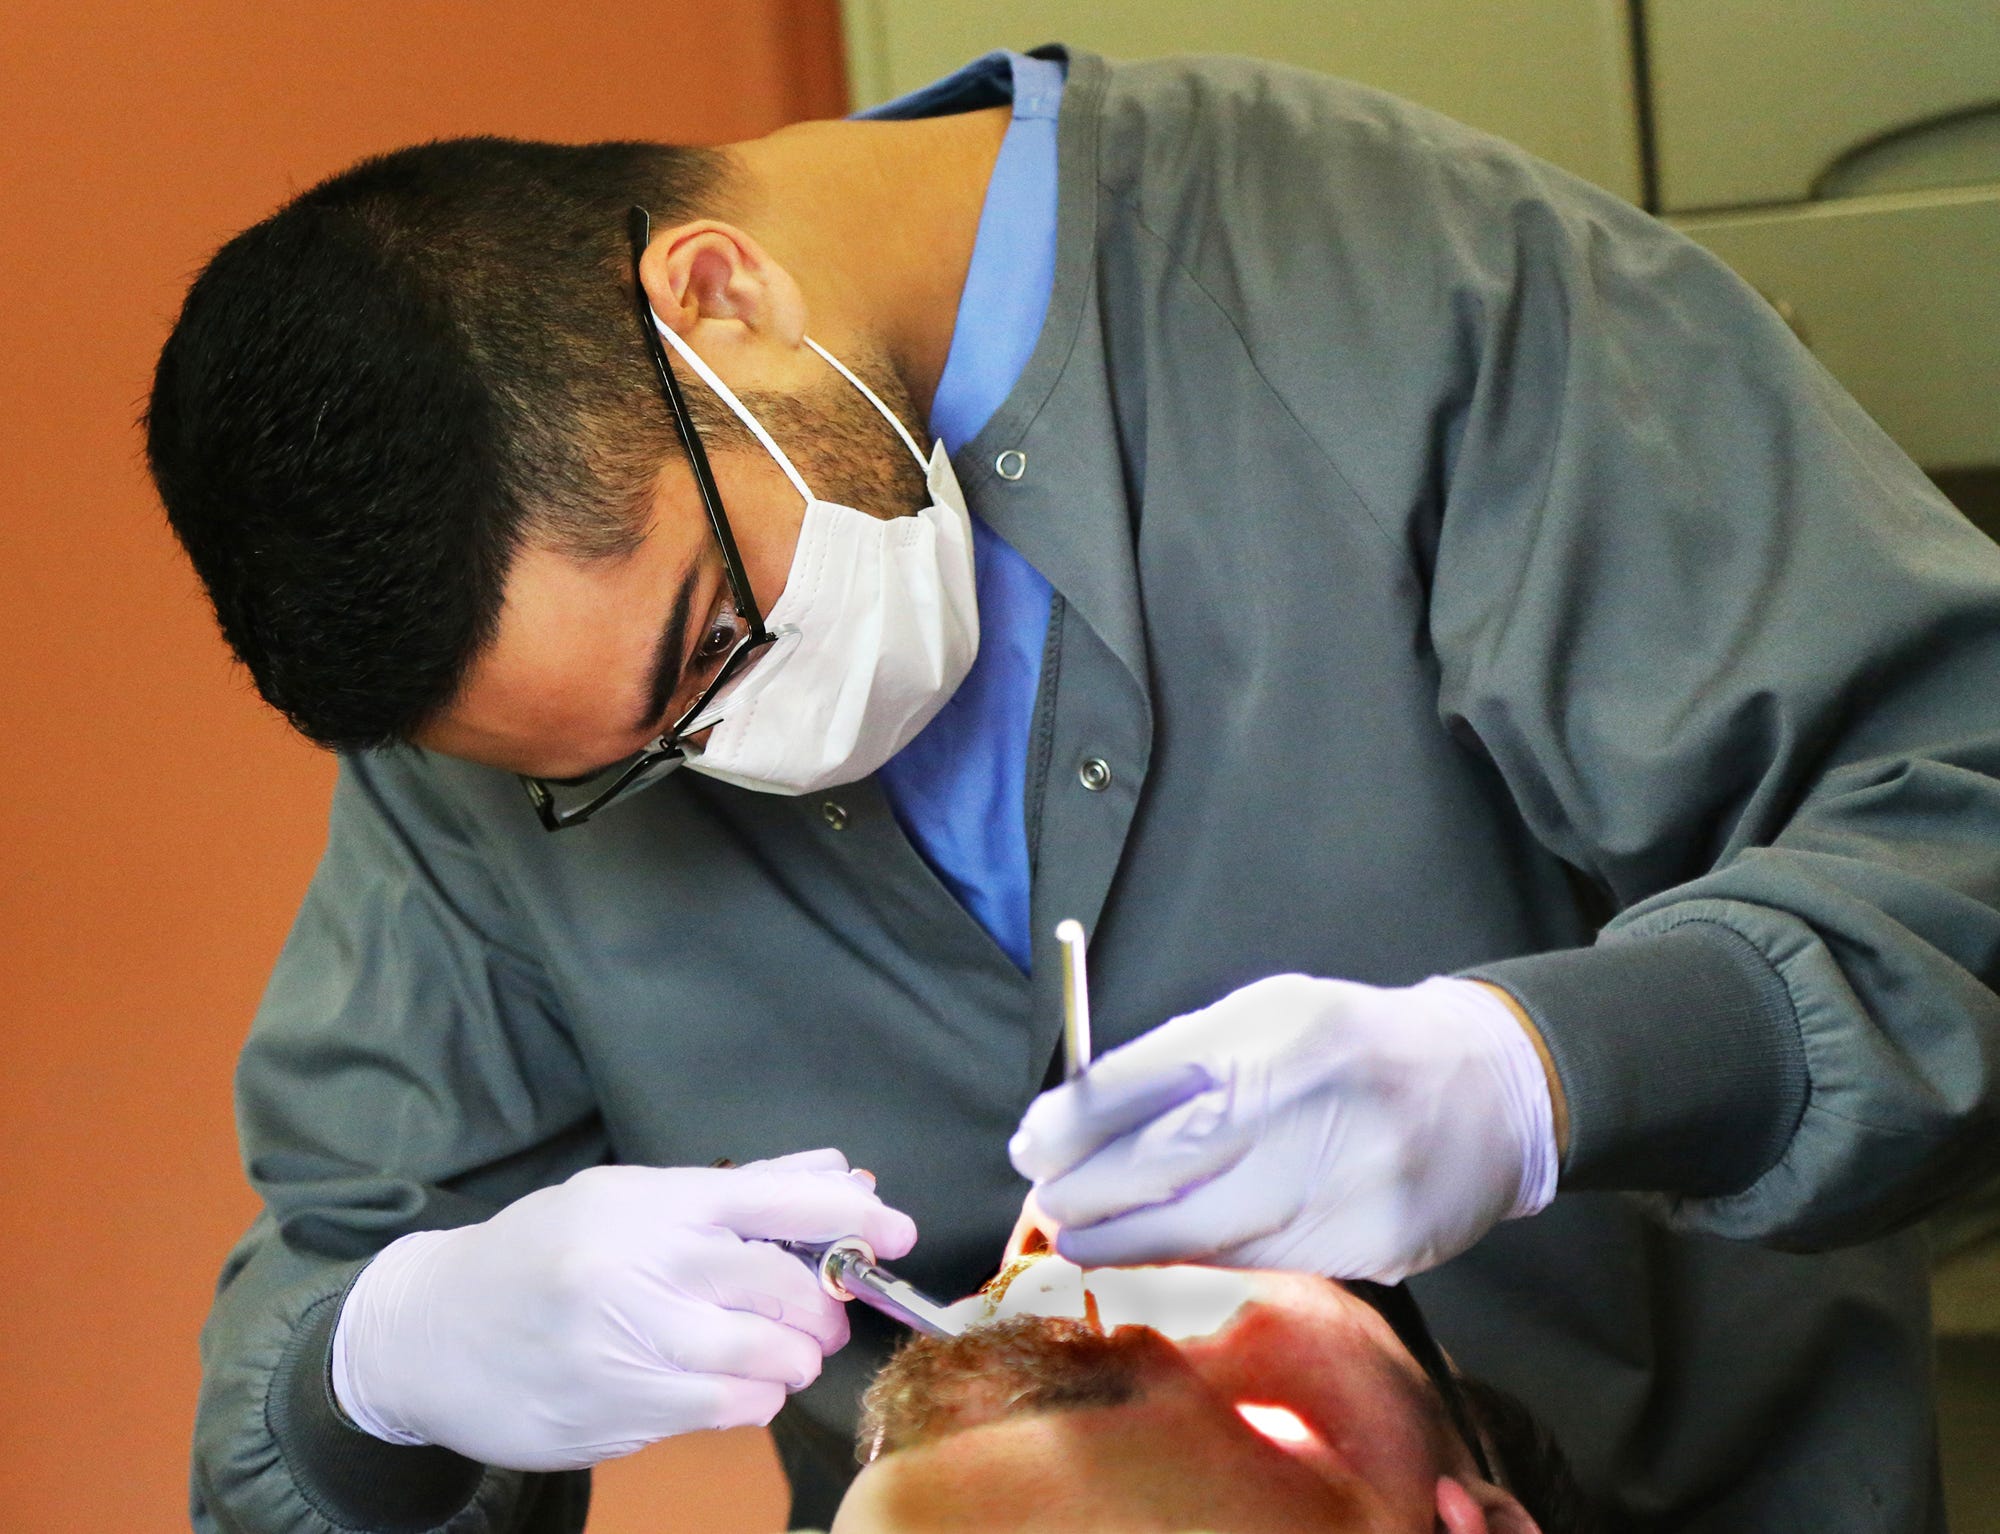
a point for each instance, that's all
(1396, 1305)
(565, 802)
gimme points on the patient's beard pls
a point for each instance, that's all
(936, 1386)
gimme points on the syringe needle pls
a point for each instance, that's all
(898, 1298)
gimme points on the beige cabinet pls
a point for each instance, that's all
(1835, 152)
(1554, 76)
(1764, 101)
(1899, 295)
(1844, 156)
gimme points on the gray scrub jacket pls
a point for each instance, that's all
(1456, 572)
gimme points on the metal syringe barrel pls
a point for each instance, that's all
(847, 1270)
(831, 1259)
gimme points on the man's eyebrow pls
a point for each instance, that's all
(668, 652)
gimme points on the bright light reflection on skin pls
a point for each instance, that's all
(1280, 1424)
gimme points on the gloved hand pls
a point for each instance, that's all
(625, 1305)
(1316, 1125)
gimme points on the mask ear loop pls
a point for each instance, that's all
(874, 399)
(745, 687)
(728, 397)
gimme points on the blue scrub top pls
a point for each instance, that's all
(958, 789)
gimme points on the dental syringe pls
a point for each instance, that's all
(848, 1270)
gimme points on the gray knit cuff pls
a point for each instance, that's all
(355, 1480)
(1679, 1054)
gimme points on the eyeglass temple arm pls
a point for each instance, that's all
(639, 225)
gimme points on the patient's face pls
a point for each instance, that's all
(1286, 1404)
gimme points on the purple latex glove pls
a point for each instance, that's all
(1317, 1125)
(625, 1305)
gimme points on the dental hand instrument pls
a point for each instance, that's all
(1076, 999)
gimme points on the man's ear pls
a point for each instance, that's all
(1482, 1509)
(722, 293)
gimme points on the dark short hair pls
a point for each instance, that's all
(1529, 1460)
(932, 1387)
(375, 398)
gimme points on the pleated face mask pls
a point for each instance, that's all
(877, 626)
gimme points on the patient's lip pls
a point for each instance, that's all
(1033, 1233)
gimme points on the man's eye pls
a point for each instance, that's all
(720, 636)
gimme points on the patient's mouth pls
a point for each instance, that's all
(1179, 1302)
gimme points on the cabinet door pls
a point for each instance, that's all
(1897, 296)
(1553, 76)
(1754, 99)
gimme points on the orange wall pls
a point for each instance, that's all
(156, 823)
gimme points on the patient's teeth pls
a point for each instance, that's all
(1028, 1286)
(1180, 1302)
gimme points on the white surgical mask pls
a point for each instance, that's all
(877, 626)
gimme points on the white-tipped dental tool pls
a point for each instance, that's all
(1076, 999)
